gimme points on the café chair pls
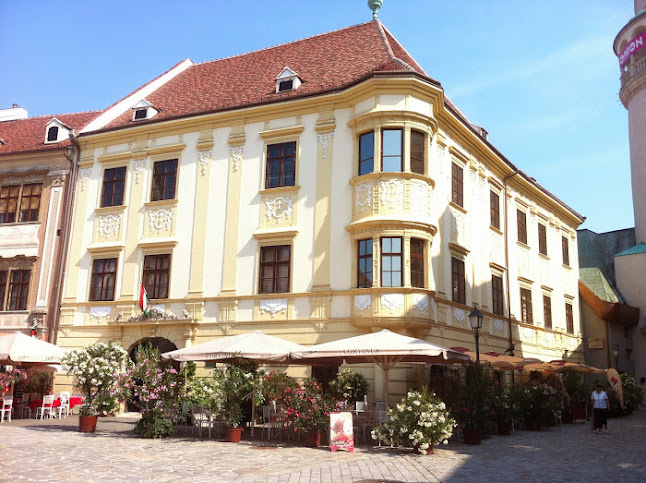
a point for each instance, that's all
(65, 404)
(23, 405)
(5, 409)
(47, 407)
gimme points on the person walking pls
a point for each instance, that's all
(600, 407)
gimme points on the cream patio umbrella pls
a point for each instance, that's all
(21, 349)
(256, 346)
(384, 348)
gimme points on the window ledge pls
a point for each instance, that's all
(567, 267)
(544, 257)
(523, 245)
(457, 207)
(108, 210)
(495, 230)
(160, 203)
(280, 189)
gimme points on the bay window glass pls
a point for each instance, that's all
(366, 153)
(391, 262)
(391, 150)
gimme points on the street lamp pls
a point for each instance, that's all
(475, 319)
(615, 352)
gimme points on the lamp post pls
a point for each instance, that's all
(475, 319)
(615, 352)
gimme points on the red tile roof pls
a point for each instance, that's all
(324, 63)
(28, 135)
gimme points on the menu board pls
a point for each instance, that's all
(341, 431)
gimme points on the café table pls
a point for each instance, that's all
(74, 401)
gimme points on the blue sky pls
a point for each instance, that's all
(541, 77)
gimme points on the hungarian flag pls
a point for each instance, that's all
(144, 301)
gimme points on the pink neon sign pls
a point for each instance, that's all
(633, 46)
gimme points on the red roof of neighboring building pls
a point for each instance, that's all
(28, 135)
(324, 63)
(609, 311)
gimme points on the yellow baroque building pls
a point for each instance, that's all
(315, 190)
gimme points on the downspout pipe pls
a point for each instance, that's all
(511, 338)
(73, 155)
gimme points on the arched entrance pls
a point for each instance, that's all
(160, 343)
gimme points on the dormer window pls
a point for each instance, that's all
(56, 131)
(52, 134)
(287, 80)
(143, 110)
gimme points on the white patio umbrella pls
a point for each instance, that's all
(384, 348)
(18, 348)
(256, 346)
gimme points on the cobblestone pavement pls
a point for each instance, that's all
(54, 451)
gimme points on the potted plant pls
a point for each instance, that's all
(9, 378)
(157, 386)
(470, 398)
(95, 370)
(420, 420)
(276, 386)
(504, 409)
(38, 382)
(236, 383)
(308, 411)
(542, 405)
(349, 386)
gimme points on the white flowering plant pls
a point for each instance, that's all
(95, 370)
(205, 392)
(349, 386)
(236, 382)
(420, 420)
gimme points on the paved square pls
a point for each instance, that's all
(53, 450)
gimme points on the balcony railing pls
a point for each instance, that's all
(632, 70)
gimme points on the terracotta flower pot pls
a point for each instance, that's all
(87, 424)
(234, 435)
(472, 436)
(312, 439)
(428, 450)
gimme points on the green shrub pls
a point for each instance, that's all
(349, 385)
(154, 425)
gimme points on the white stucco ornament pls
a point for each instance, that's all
(100, 312)
(459, 314)
(237, 153)
(497, 324)
(109, 225)
(364, 195)
(138, 166)
(419, 198)
(392, 301)
(279, 207)
(161, 219)
(204, 157)
(362, 302)
(420, 302)
(392, 193)
(84, 174)
(549, 337)
(273, 306)
(528, 333)
(325, 140)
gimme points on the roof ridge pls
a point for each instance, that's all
(54, 115)
(382, 30)
(281, 45)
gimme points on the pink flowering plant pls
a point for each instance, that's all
(307, 407)
(157, 387)
(9, 377)
(95, 370)
(470, 395)
(420, 420)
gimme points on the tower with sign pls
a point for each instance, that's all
(630, 265)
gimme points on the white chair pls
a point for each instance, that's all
(23, 404)
(270, 422)
(203, 418)
(64, 397)
(47, 407)
(6, 408)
